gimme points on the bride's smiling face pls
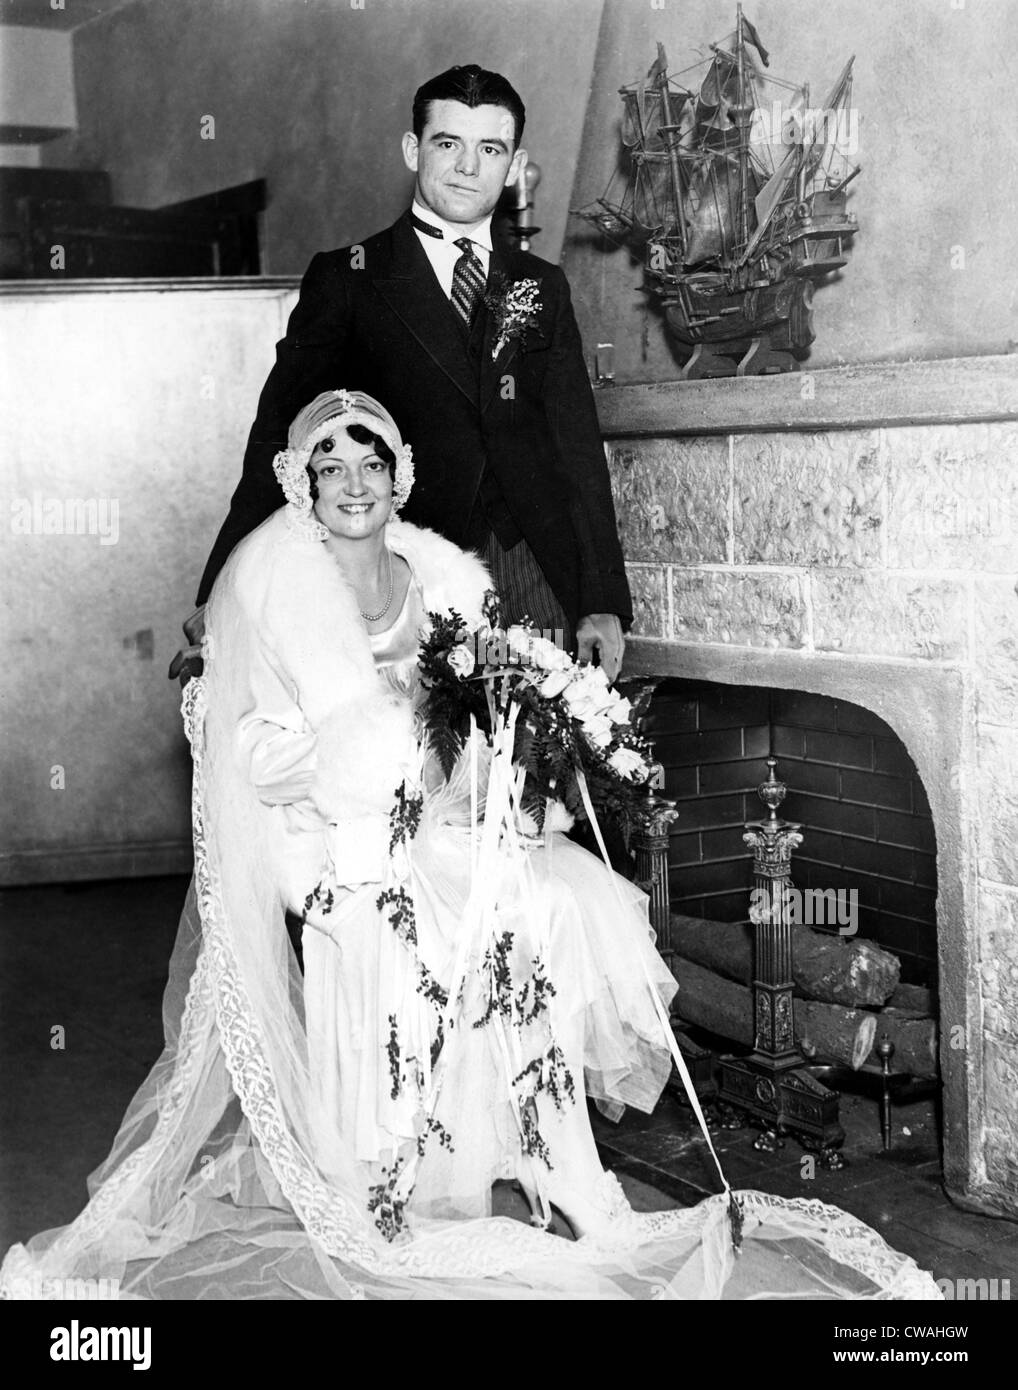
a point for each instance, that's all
(354, 486)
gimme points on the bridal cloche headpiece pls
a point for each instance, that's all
(327, 413)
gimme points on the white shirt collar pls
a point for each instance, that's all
(452, 231)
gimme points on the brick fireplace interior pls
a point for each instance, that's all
(867, 823)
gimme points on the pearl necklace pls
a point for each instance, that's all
(377, 617)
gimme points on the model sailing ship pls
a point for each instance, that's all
(735, 203)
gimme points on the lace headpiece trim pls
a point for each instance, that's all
(327, 413)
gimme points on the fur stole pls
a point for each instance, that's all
(301, 616)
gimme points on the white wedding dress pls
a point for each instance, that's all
(372, 1027)
(335, 1134)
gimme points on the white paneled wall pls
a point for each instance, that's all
(124, 417)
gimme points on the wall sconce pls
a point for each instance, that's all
(529, 178)
(604, 364)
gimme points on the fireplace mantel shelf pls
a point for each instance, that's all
(949, 391)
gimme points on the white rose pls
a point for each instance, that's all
(559, 660)
(518, 639)
(580, 684)
(579, 704)
(554, 683)
(587, 694)
(598, 729)
(545, 654)
(461, 660)
(620, 711)
(628, 763)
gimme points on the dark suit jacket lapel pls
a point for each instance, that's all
(412, 291)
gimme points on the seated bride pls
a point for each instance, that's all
(377, 851)
(333, 1126)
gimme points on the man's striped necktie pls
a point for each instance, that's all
(467, 281)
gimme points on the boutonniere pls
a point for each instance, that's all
(514, 309)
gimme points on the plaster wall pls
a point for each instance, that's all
(931, 270)
(36, 79)
(20, 156)
(93, 759)
(314, 96)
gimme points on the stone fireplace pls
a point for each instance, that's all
(854, 533)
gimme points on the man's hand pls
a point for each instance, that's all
(188, 661)
(601, 633)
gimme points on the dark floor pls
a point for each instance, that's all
(899, 1193)
(82, 970)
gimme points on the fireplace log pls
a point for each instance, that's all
(835, 969)
(831, 1031)
(916, 999)
(914, 1038)
(726, 1008)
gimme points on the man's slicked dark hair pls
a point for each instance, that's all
(472, 86)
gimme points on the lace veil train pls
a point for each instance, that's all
(211, 1189)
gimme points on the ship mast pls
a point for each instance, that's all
(742, 115)
(671, 145)
(791, 167)
(800, 181)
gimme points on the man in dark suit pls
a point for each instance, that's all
(474, 349)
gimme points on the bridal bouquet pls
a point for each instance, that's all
(573, 731)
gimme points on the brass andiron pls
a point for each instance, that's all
(653, 817)
(773, 1085)
(649, 842)
(650, 847)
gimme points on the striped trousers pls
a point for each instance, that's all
(525, 593)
